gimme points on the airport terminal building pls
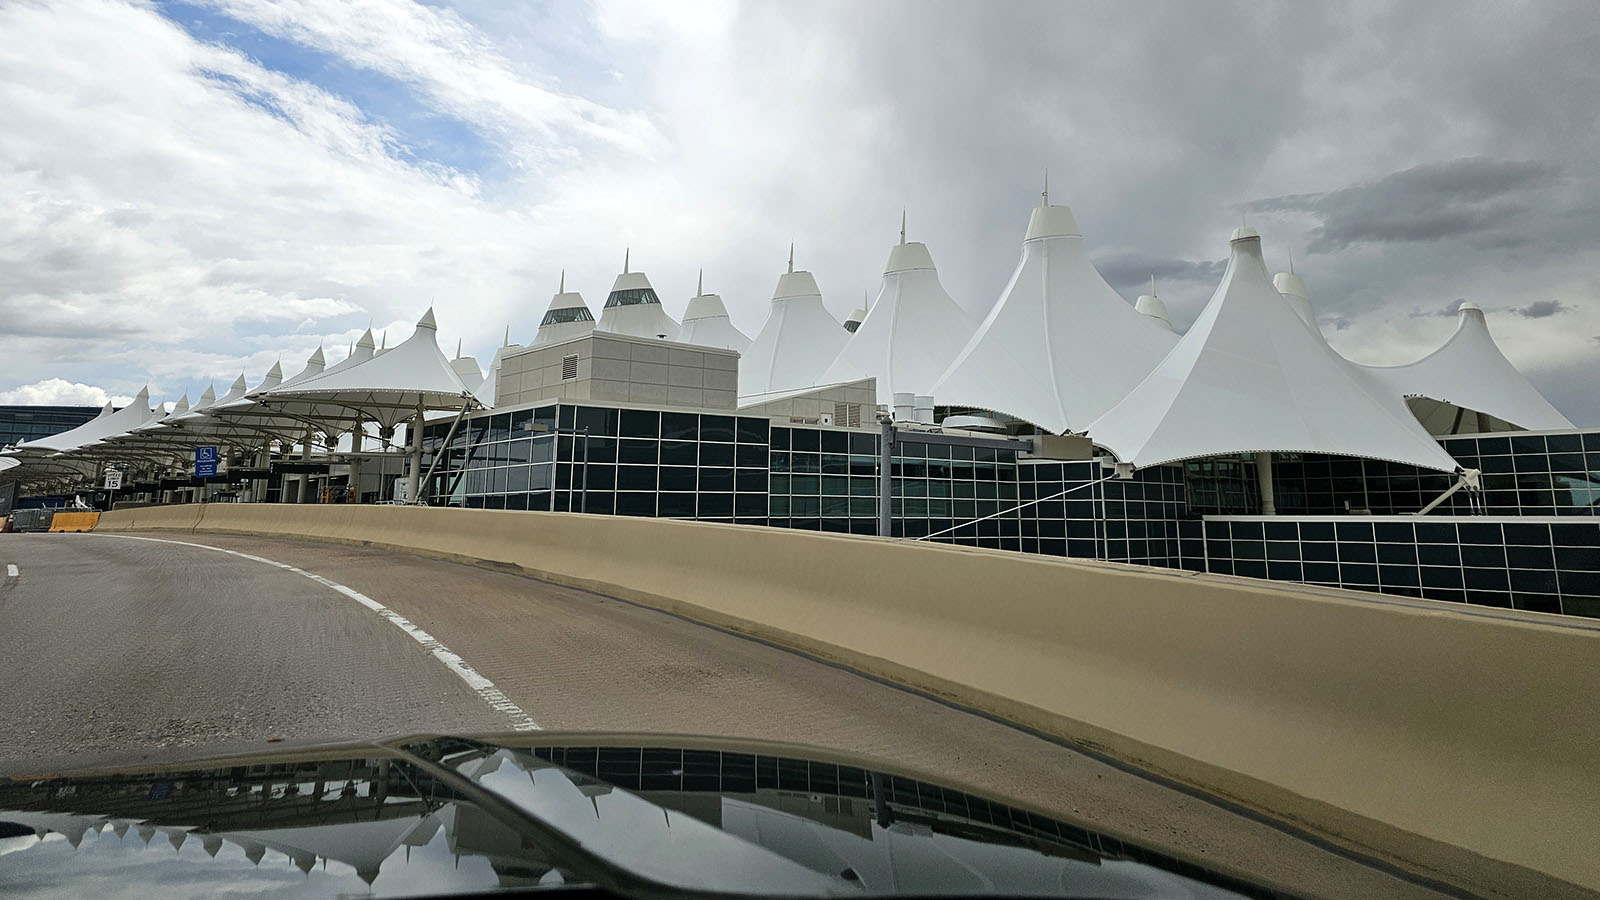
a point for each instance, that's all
(1067, 422)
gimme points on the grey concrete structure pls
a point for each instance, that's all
(622, 369)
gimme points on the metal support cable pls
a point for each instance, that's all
(1076, 487)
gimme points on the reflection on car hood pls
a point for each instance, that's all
(452, 816)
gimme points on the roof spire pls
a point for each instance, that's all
(902, 224)
(458, 348)
(383, 340)
(562, 288)
(1152, 284)
(700, 286)
(1291, 262)
(791, 256)
(508, 333)
(1046, 193)
(626, 252)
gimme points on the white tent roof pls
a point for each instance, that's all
(911, 334)
(633, 308)
(1249, 376)
(99, 428)
(487, 391)
(1294, 293)
(1469, 371)
(566, 318)
(466, 368)
(799, 340)
(1153, 306)
(1059, 347)
(53, 442)
(853, 321)
(706, 323)
(387, 389)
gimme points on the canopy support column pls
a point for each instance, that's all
(414, 474)
(1269, 504)
(305, 477)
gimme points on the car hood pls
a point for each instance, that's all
(630, 815)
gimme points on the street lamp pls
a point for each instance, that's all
(542, 428)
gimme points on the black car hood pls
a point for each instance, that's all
(633, 816)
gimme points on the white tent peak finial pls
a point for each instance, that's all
(561, 288)
(902, 224)
(1153, 284)
(316, 358)
(1044, 196)
(627, 253)
(791, 256)
(427, 321)
(458, 348)
(700, 284)
(1291, 262)
(507, 341)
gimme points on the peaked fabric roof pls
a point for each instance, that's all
(1295, 294)
(1249, 376)
(1469, 371)
(387, 388)
(1059, 347)
(566, 318)
(912, 331)
(487, 391)
(799, 340)
(99, 428)
(706, 324)
(633, 308)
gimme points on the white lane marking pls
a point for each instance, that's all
(11, 571)
(485, 688)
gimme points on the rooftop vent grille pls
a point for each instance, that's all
(569, 367)
(848, 414)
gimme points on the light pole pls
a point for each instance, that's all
(541, 428)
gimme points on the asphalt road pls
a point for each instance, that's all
(116, 649)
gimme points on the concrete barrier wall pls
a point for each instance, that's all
(1391, 727)
(74, 521)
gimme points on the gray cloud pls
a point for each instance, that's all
(1129, 272)
(1478, 198)
(1449, 311)
(1541, 309)
(1427, 168)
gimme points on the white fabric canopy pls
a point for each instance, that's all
(386, 389)
(1249, 376)
(797, 342)
(911, 333)
(1059, 347)
(99, 428)
(706, 324)
(1469, 371)
(632, 308)
(566, 318)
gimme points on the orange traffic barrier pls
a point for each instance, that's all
(74, 521)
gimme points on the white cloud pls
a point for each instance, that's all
(60, 392)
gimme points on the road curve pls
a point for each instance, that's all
(129, 650)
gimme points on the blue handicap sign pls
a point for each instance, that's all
(205, 462)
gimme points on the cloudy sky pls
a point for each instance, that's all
(188, 190)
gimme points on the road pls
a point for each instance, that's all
(129, 649)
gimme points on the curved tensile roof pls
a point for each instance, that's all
(1249, 376)
(385, 389)
(1470, 372)
(632, 308)
(911, 333)
(797, 342)
(1059, 347)
(566, 317)
(706, 323)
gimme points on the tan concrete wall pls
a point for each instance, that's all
(74, 521)
(1386, 726)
